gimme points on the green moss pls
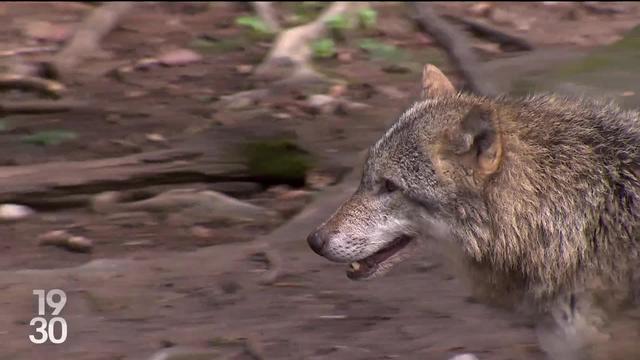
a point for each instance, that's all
(277, 160)
(623, 54)
(382, 51)
(630, 41)
(589, 64)
(52, 137)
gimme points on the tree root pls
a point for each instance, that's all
(93, 29)
(46, 87)
(456, 45)
(264, 9)
(290, 54)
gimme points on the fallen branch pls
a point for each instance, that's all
(28, 50)
(39, 107)
(456, 45)
(86, 40)
(290, 54)
(494, 34)
(47, 87)
(264, 9)
(69, 182)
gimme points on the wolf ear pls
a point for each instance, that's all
(477, 140)
(435, 84)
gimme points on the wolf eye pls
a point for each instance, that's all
(389, 186)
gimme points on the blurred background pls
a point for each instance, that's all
(163, 163)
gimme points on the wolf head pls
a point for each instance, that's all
(424, 173)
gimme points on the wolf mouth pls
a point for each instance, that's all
(380, 261)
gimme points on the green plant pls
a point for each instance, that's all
(368, 17)
(254, 23)
(323, 48)
(339, 23)
(305, 11)
(277, 160)
(381, 50)
(51, 137)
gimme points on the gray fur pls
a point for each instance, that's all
(558, 220)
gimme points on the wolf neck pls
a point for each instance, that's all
(549, 211)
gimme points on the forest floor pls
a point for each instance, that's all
(154, 281)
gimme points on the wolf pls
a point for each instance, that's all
(536, 199)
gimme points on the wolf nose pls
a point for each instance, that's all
(316, 242)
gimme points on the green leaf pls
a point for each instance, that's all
(52, 137)
(323, 48)
(339, 23)
(368, 17)
(381, 50)
(254, 23)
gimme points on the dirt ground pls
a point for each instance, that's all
(151, 284)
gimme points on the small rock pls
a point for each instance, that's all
(135, 94)
(337, 90)
(350, 106)
(79, 244)
(345, 57)
(63, 239)
(291, 202)
(324, 104)
(391, 92)
(282, 116)
(240, 103)
(155, 137)
(53, 236)
(244, 69)
(319, 181)
(179, 57)
(294, 194)
(105, 202)
(464, 357)
(14, 212)
(480, 8)
(201, 231)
